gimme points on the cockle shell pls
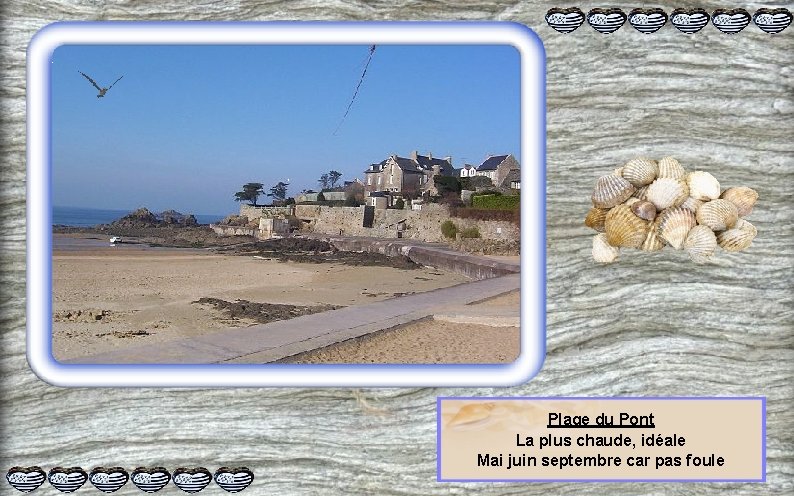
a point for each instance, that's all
(611, 190)
(718, 215)
(643, 209)
(669, 167)
(595, 218)
(738, 238)
(603, 252)
(624, 229)
(703, 186)
(641, 193)
(674, 224)
(653, 242)
(631, 201)
(666, 192)
(743, 197)
(640, 171)
(700, 244)
(691, 204)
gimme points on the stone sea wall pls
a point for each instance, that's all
(422, 225)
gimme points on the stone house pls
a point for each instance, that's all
(497, 168)
(405, 177)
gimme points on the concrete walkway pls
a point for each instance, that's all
(266, 343)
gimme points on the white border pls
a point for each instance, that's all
(533, 211)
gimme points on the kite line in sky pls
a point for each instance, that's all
(369, 59)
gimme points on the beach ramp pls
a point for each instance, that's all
(266, 343)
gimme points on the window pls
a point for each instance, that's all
(391, 178)
(369, 179)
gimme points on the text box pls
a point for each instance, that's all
(601, 439)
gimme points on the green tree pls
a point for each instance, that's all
(333, 177)
(250, 193)
(324, 181)
(279, 191)
(446, 184)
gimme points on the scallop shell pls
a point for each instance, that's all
(653, 242)
(643, 209)
(703, 186)
(603, 252)
(640, 171)
(743, 197)
(669, 167)
(611, 190)
(691, 204)
(595, 218)
(666, 192)
(718, 215)
(738, 238)
(700, 244)
(624, 229)
(674, 224)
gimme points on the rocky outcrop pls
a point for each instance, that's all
(145, 218)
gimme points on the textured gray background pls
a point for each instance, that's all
(647, 326)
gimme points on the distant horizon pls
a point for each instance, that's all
(154, 211)
(188, 125)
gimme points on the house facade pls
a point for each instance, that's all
(497, 168)
(405, 177)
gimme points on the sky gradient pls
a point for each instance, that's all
(187, 126)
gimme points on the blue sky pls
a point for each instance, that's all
(187, 126)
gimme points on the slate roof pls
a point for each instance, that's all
(428, 163)
(375, 167)
(492, 162)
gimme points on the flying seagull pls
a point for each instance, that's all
(102, 91)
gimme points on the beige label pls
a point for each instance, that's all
(601, 439)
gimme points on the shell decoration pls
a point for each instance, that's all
(595, 218)
(642, 209)
(611, 190)
(700, 244)
(640, 171)
(624, 229)
(703, 186)
(670, 167)
(666, 192)
(603, 252)
(743, 197)
(738, 238)
(691, 204)
(641, 193)
(718, 215)
(648, 205)
(674, 225)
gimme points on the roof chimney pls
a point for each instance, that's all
(414, 154)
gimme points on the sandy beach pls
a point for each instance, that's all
(105, 297)
(430, 341)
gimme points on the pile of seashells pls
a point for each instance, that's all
(648, 204)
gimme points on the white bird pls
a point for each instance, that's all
(102, 91)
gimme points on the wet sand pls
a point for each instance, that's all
(105, 297)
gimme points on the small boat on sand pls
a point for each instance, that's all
(115, 239)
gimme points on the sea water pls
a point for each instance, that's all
(88, 217)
